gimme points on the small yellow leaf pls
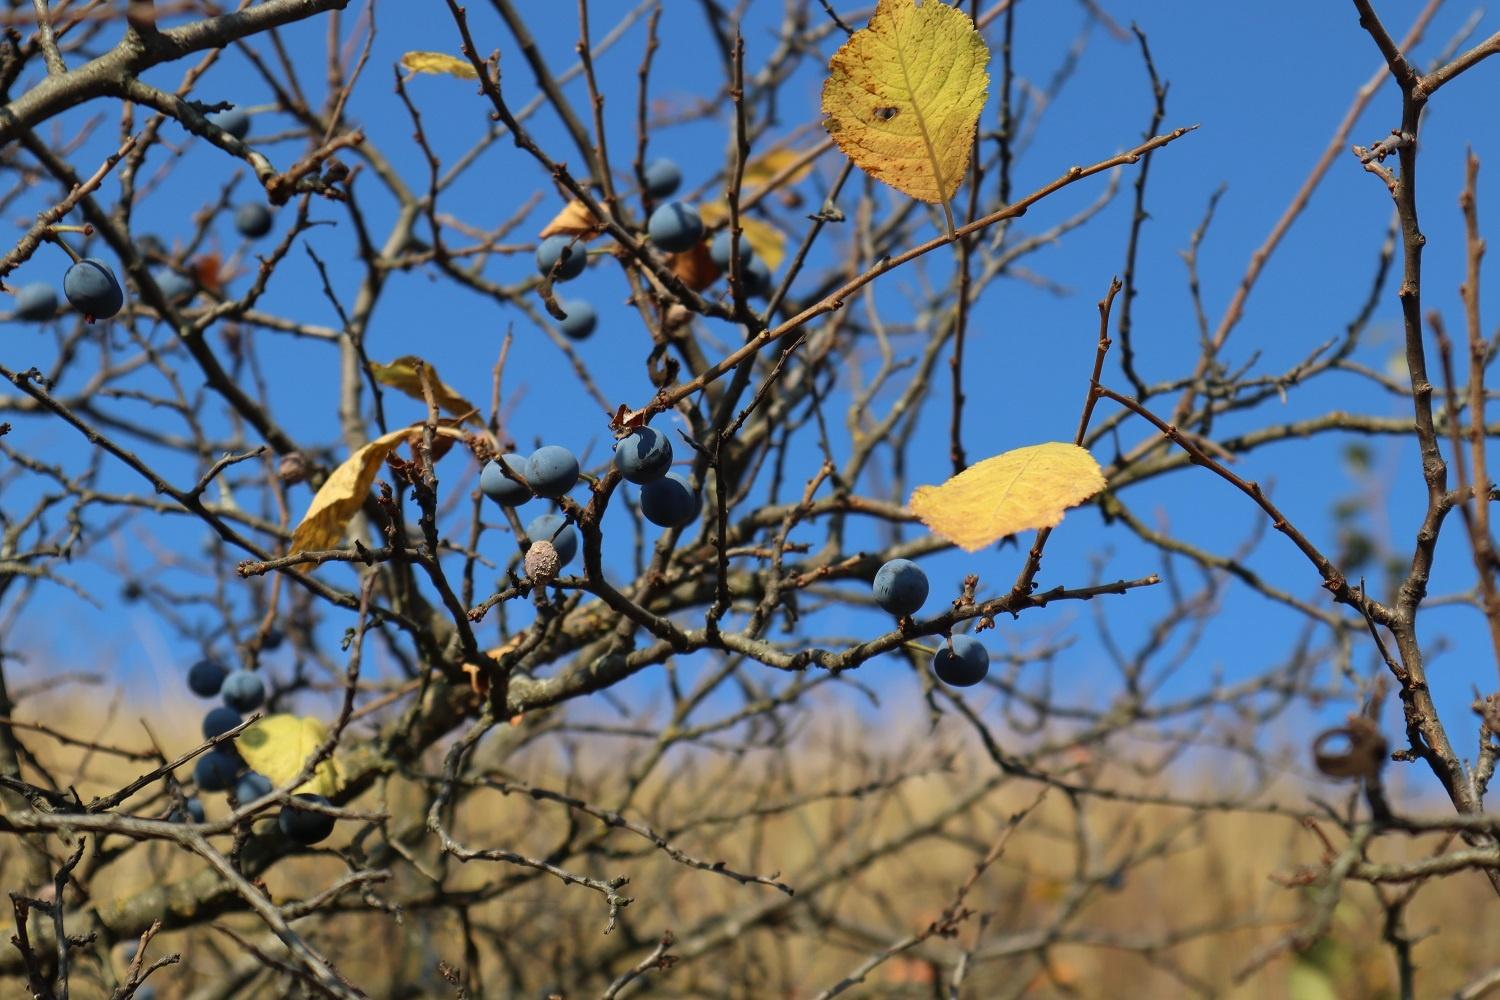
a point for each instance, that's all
(903, 96)
(439, 62)
(1305, 981)
(761, 170)
(342, 493)
(768, 242)
(278, 747)
(1015, 491)
(404, 376)
(574, 220)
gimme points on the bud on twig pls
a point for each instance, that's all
(293, 468)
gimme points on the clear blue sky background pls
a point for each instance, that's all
(1267, 83)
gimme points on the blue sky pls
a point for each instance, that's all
(1266, 83)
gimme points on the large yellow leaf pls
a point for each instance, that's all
(903, 96)
(403, 374)
(768, 242)
(278, 746)
(439, 62)
(343, 492)
(1015, 491)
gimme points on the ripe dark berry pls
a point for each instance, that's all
(505, 491)
(552, 471)
(215, 771)
(93, 289)
(580, 320)
(150, 246)
(234, 121)
(965, 665)
(251, 786)
(192, 810)
(252, 219)
(674, 227)
(555, 248)
(643, 455)
(669, 501)
(244, 691)
(545, 528)
(174, 287)
(720, 246)
(36, 302)
(303, 825)
(220, 720)
(757, 277)
(900, 587)
(206, 677)
(662, 178)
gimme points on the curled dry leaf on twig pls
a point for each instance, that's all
(278, 747)
(405, 375)
(440, 63)
(625, 419)
(1363, 753)
(903, 96)
(479, 680)
(1015, 491)
(575, 219)
(345, 489)
(207, 269)
(695, 267)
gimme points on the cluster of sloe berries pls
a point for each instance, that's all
(673, 227)
(549, 472)
(223, 770)
(901, 588)
(90, 284)
(667, 498)
(643, 457)
(560, 252)
(251, 218)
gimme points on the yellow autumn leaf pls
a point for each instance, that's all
(575, 219)
(403, 375)
(761, 170)
(1015, 491)
(1045, 889)
(278, 747)
(768, 242)
(1305, 981)
(342, 493)
(345, 489)
(903, 96)
(439, 62)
